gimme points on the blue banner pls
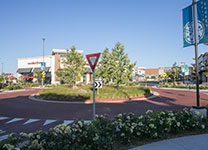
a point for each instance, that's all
(188, 32)
(202, 12)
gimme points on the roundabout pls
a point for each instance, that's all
(17, 109)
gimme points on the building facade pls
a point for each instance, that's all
(203, 62)
(29, 66)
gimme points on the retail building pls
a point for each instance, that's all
(27, 67)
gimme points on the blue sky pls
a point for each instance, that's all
(150, 30)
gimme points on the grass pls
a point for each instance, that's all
(85, 92)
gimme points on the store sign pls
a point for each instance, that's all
(34, 63)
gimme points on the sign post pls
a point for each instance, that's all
(92, 60)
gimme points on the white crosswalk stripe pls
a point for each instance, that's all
(68, 122)
(31, 121)
(1, 131)
(49, 122)
(2, 118)
(4, 137)
(14, 120)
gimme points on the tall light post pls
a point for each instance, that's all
(43, 64)
(2, 68)
(196, 56)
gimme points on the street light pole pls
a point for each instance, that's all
(2, 68)
(196, 55)
(43, 65)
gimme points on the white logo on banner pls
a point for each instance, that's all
(189, 35)
(93, 59)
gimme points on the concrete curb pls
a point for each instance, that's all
(136, 99)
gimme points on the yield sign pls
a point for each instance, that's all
(93, 59)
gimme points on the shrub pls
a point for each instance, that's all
(103, 133)
(172, 85)
(14, 87)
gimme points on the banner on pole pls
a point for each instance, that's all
(202, 16)
(188, 31)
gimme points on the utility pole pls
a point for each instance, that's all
(196, 55)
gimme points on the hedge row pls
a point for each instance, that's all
(103, 133)
(172, 85)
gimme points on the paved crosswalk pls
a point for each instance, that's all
(10, 125)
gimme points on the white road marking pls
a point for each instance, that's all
(68, 122)
(14, 120)
(1, 131)
(30, 121)
(2, 118)
(4, 137)
(48, 122)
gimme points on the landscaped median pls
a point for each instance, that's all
(123, 132)
(173, 85)
(85, 94)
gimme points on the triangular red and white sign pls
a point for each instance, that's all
(92, 60)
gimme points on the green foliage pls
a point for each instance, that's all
(85, 92)
(38, 76)
(115, 66)
(3, 85)
(104, 67)
(14, 87)
(73, 67)
(103, 133)
(65, 93)
(175, 72)
(173, 85)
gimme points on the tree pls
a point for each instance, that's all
(174, 72)
(122, 69)
(38, 76)
(104, 67)
(73, 67)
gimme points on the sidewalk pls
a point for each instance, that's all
(196, 142)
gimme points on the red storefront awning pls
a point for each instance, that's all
(11, 77)
(27, 77)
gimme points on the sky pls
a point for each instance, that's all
(150, 30)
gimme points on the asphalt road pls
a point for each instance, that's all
(19, 114)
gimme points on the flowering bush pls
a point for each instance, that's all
(102, 133)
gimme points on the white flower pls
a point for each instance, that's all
(128, 117)
(197, 113)
(178, 124)
(188, 121)
(122, 134)
(138, 133)
(203, 126)
(149, 111)
(140, 124)
(151, 125)
(161, 122)
(155, 134)
(141, 116)
(119, 115)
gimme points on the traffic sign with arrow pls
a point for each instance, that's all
(98, 84)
